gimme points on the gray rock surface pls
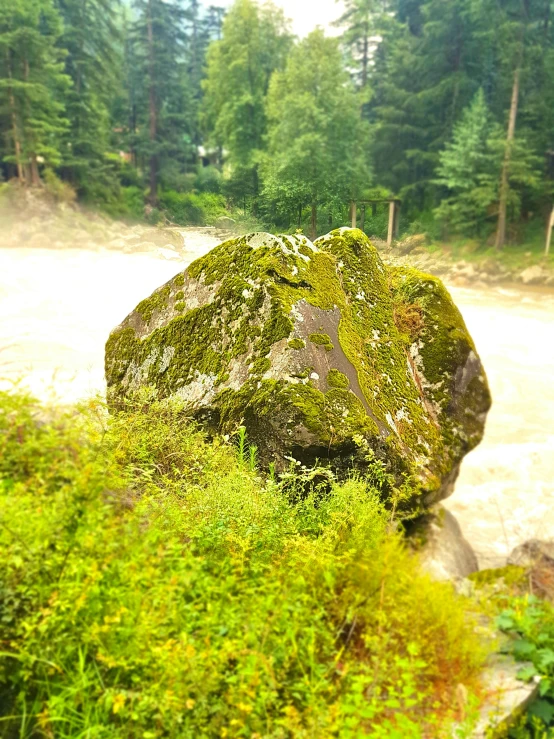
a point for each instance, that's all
(320, 350)
(446, 554)
(531, 552)
(533, 275)
(507, 698)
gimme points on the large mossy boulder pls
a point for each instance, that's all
(321, 351)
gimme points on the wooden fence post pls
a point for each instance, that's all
(549, 234)
(392, 208)
(353, 213)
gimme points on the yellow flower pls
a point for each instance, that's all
(118, 703)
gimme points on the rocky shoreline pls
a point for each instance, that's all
(461, 273)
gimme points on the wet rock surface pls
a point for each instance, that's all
(323, 353)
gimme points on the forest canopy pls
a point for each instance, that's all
(196, 112)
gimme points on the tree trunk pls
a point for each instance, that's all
(365, 58)
(313, 234)
(505, 178)
(256, 187)
(153, 194)
(300, 216)
(35, 174)
(15, 131)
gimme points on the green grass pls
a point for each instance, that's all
(511, 257)
(154, 584)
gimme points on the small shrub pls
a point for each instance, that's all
(153, 216)
(133, 201)
(208, 179)
(62, 192)
(191, 208)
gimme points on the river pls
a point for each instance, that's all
(58, 307)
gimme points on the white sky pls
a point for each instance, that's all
(306, 14)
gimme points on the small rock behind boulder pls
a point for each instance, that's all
(445, 553)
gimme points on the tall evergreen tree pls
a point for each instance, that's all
(362, 22)
(470, 167)
(255, 42)
(159, 47)
(91, 38)
(422, 83)
(33, 85)
(518, 35)
(315, 153)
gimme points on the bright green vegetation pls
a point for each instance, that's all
(297, 344)
(203, 112)
(520, 600)
(530, 621)
(154, 584)
(337, 379)
(317, 150)
(323, 340)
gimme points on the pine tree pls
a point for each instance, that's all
(465, 170)
(201, 28)
(518, 34)
(315, 154)
(470, 167)
(362, 22)
(34, 85)
(255, 41)
(425, 76)
(159, 52)
(93, 61)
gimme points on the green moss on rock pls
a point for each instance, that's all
(407, 390)
(322, 340)
(337, 379)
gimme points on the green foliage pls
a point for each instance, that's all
(33, 85)
(198, 209)
(109, 94)
(470, 168)
(127, 202)
(530, 622)
(316, 136)
(152, 584)
(62, 192)
(208, 179)
(91, 39)
(255, 42)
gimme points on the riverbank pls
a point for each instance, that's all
(38, 222)
(473, 266)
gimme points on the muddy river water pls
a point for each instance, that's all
(57, 308)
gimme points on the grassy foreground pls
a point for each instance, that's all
(154, 584)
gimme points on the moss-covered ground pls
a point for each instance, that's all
(154, 583)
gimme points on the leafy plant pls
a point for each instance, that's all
(530, 621)
(153, 584)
